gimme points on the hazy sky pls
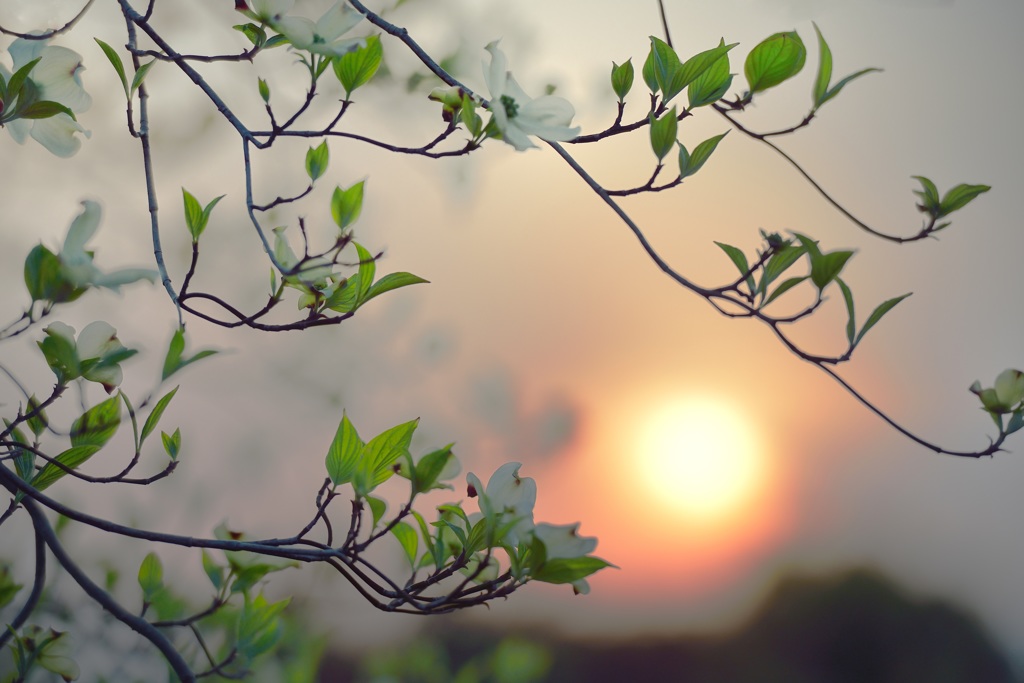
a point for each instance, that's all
(548, 337)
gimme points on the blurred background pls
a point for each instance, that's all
(547, 337)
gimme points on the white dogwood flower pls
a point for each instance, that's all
(55, 78)
(517, 115)
(323, 36)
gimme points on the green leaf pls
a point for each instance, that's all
(826, 267)
(822, 93)
(42, 274)
(380, 454)
(156, 414)
(24, 459)
(259, 626)
(256, 35)
(407, 536)
(877, 314)
(711, 85)
(392, 281)
(197, 216)
(377, 509)
(264, 90)
(780, 261)
(96, 426)
(851, 322)
(929, 195)
(666, 66)
(317, 159)
(346, 205)
(356, 68)
(622, 79)
(429, 468)
(650, 78)
(38, 422)
(140, 75)
(663, 133)
(44, 109)
(774, 60)
(367, 271)
(172, 443)
(151, 576)
(740, 261)
(1016, 422)
(344, 453)
(18, 80)
(701, 63)
(175, 360)
(959, 197)
(691, 163)
(784, 287)
(72, 458)
(115, 59)
(569, 569)
(213, 571)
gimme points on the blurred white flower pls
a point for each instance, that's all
(55, 78)
(508, 498)
(517, 115)
(77, 264)
(324, 36)
(96, 354)
(1006, 395)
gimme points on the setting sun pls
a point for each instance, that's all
(700, 459)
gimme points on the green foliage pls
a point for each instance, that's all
(317, 159)
(622, 79)
(196, 215)
(356, 68)
(347, 204)
(176, 360)
(822, 93)
(711, 85)
(774, 60)
(663, 133)
(151, 577)
(691, 163)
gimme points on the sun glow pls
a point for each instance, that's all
(700, 459)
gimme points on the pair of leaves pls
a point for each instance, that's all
(197, 215)
(664, 72)
(822, 92)
(175, 359)
(360, 288)
(954, 200)
(622, 79)
(317, 159)
(115, 60)
(366, 465)
(852, 335)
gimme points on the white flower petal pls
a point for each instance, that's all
(57, 134)
(338, 20)
(58, 76)
(564, 541)
(63, 330)
(496, 74)
(96, 340)
(81, 231)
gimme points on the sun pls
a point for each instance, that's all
(700, 459)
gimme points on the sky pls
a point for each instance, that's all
(547, 337)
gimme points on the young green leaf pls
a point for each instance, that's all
(140, 75)
(877, 314)
(851, 321)
(929, 195)
(356, 68)
(711, 85)
(317, 159)
(71, 459)
(779, 262)
(666, 68)
(691, 163)
(196, 215)
(172, 443)
(701, 63)
(406, 535)
(259, 627)
(344, 453)
(377, 509)
(392, 281)
(367, 271)
(17, 83)
(622, 79)
(569, 569)
(774, 60)
(151, 576)
(96, 426)
(786, 285)
(821, 92)
(44, 109)
(959, 197)
(175, 360)
(256, 35)
(648, 71)
(38, 420)
(346, 205)
(826, 267)
(740, 261)
(663, 133)
(156, 414)
(115, 60)
(214, 571)
(380, 453)
(429, 469)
